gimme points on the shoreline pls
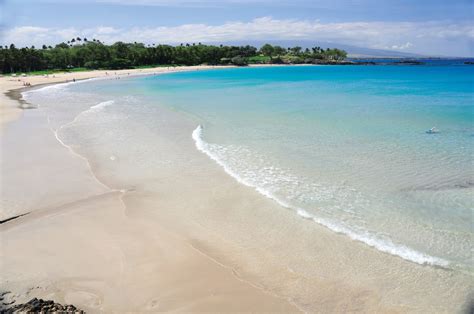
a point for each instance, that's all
(136, 216)
(231, 291)
(395, 250)
(11, 88)
(12, 104)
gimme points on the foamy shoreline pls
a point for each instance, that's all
(127, 247)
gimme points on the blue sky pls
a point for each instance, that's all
(436, 27)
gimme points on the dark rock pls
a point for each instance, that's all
(408, 62)
(41, 306)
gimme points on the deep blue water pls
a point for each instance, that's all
(424, 61)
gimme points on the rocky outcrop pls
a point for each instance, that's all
(408, 62)
(41, 306)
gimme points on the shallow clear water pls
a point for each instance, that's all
(344, 146)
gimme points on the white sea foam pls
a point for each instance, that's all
(215, 152)
(100, 106)
(56, 133)
(56, 86)
(93, 109)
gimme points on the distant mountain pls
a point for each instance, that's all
(353, 51)
(360, 52)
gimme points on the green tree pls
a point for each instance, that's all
(267, 50)
(239, 61)
(94, 55)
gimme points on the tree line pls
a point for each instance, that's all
(93, 54)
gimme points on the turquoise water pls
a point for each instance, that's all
(344, 146)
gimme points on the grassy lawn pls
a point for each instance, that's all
(49, 72)
(259, 59)
(155, 66)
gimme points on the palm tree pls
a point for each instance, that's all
(296, 50)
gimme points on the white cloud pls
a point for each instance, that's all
(400, 47)
(387, 35)
(193, 3)
(190, 3)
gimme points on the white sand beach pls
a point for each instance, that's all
(191, 239)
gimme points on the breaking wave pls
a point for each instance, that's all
(385, 245)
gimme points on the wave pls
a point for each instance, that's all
(55, 86)
(57, 131)
(100, 106)
(93, 109)
(383, 245)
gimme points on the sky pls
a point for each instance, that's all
(428, 27)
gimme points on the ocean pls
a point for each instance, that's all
(345, 147)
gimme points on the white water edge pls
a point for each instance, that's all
(383, 245)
